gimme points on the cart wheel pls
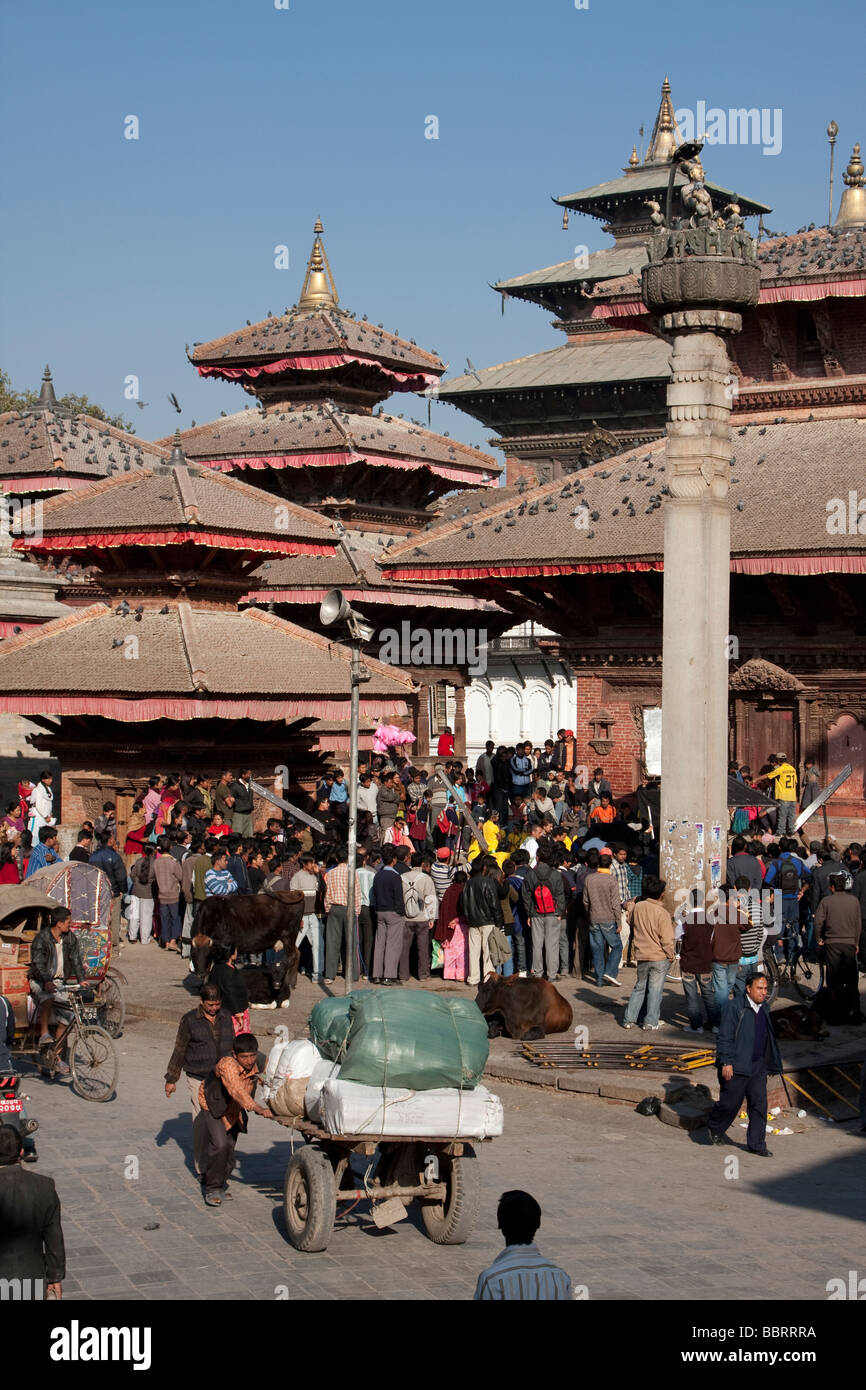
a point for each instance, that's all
(450, 1222)
(110, 1006)
(310, 1199)
(93, 1063)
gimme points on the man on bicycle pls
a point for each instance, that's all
(50, 969)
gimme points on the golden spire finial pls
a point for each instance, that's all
(852, 209)
(633, 159)
(319, 290)
(666, 133)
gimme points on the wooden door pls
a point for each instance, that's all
(767, 728)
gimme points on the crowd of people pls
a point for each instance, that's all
(565, 880)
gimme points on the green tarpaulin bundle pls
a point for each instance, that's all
(385, 1037)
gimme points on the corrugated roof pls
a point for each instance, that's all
(782, 479)
(621, 357)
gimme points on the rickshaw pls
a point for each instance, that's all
(24, 910)
(86, 891)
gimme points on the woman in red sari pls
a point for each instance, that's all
(452, 932)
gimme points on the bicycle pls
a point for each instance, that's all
(93, 1062)
(804, 976)
(110, 1006)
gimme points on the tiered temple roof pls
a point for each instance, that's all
(319, 373)
(604, 390)
(174, 546)
(608, 518)
(45, 449)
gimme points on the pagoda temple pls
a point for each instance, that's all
(604, 388)
(164, 671)
(320, 437)
(46, 449)
(318, 374)
(581, 554)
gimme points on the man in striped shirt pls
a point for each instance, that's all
(218, 882)
(752, 933)
(521, 1272)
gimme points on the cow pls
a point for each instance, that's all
(269, 986)
(251, 924)
(525, 1009)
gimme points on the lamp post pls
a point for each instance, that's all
(335, 609)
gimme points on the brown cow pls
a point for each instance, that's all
(525, 1009)
(253, 923)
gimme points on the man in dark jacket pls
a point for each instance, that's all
(49, 968)
(387, 802)
(502, 784)
(386, 899)
(242, 810)
(204, 1035)
(741, 864)
(106, 857)
(481, 910)
(544, 902)
(31, 1236)
(837, 928)
(746, 1051)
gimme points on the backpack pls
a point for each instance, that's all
(788, 877)
(543, 900)
(411, 900)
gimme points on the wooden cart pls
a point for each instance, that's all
(441, 1174)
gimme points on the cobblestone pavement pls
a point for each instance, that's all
(632, 1209)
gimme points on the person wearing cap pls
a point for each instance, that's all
(783, 780)
(603, 905)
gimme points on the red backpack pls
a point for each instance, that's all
(543, 899)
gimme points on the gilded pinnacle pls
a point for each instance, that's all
(852, 209)
(319, 290)
(666, 134)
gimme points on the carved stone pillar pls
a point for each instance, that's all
(697, 279)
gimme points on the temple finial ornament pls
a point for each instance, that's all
(634, 159)
(666, 134)
(177, 455)
(319, 291)
(47, 398)
(852, 209)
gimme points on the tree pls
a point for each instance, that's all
(70, 404)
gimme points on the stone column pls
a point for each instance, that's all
(699, 277)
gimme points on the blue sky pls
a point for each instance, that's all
(255, 120)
